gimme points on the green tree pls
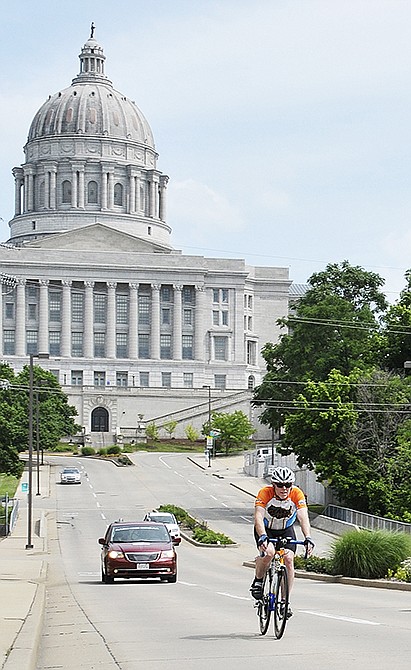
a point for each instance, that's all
(170, 427)
(396, 344)
(235, 429)
(353, 431)
(335, 325)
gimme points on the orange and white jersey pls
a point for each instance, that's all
(280, 514)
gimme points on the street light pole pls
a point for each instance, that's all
(29, 544)
(37, 443)
(207, 386)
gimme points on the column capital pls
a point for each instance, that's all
(200, 287)
(178, 287)
(44, 282)
(134, 286)
(89, 284)
(21, 282)
(111, 284)
(155, 287)
(66, 283)
(18, 172)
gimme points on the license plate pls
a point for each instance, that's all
(143, 566)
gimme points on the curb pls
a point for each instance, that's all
(210, 546)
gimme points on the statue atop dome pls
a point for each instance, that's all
(92, 29)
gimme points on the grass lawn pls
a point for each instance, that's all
(8, 484)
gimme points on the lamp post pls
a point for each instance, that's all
(29, 544)
(207, 386)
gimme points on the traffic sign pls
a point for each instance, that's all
(25, 487)
(215, 433)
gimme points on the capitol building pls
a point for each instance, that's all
(135, 331)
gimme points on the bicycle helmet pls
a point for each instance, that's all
(282, 475)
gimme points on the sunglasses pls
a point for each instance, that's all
(282, 485)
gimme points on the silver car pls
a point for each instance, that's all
(168, 520)
(70, 476)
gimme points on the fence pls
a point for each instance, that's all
(364, 520)
(11, 514)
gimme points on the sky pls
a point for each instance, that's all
(284, 125)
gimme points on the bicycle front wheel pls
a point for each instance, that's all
(263, 607)
(282, 597)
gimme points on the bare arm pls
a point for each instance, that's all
(259, 520)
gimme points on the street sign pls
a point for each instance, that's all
(25, 487)
(209, 442)
(215, 433)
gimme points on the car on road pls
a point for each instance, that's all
(168, 520)
(139, 550)
(70, 476)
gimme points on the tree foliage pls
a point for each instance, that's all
(396, 345)
(235, 429)
(54, 413)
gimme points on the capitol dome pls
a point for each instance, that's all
(91, 106)
(90, 158)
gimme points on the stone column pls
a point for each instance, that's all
(103, 189)
(88, 320)
(163, 199)
(155, 321)
(131, 189)
(177, 321)
(199, 323)
(133, 322)
(43, 337)
(138, 200)
(236, 313)
(30, 195)
(111, 189)
(53, 192)
(111, 319)
(152, 207)
(21, 318)
(66, 319)
(46, 189)
(81, 198)
(18, 183)
(26, 193)
(74, 187)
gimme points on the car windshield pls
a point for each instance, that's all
(162, 518)
(140, 534)
(70, 471)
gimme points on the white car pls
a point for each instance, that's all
(169, 521)
(70, 476)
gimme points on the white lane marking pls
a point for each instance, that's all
(98, 504)
(224, 505)
(190, 482)
(187, 583)
(178, 473)
(88, 574)
(94, 495)
(164, 463)
(102, 516)
(342, 618)
(230, 595)
(201, 489)
(91, 486)
(245, 519)
(213, 497)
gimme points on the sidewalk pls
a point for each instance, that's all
(23, 575)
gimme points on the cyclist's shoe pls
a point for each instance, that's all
(282, 610)
(257, 589)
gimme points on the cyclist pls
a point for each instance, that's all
(277, 507)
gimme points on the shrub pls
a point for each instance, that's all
(152, 431)
(207, 536)
(370, 554)
(102, 451)
(403, 572)
(114, 449)
(316, 564)
(191, 433)
(124, 460)
(87, 451)
(170, 427)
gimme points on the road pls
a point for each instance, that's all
(207, 618)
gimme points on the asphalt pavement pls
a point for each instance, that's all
(24, 571)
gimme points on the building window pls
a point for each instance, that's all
(220, 348)
(250, 302)
(100, 307)
(121, 308)
(9, 310)
(216, 317)
(188, 317)
(220, 382)
(9, 342)
(121, 345)
(224, 318)
(77, 344)
(31, 339)
(165, 316)
(145, 379)
(166, 379)
(77, 307)
(187, 347)
(144, 310)
(66, 192)
(55, 306)
(92, 192)
(188, 380)
(32, 292)
(143, 346)
(121, 379)
(216, 295)
(54, 342)
(31, 311)
(77, 377)
(250, 323)
(118, 194)
(99, 379)
(166, 293)
(251, 383)
(188, 295)
(165, 346)
(251, 352)
(99, 345)
(224, 295)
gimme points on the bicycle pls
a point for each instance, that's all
(276, 594)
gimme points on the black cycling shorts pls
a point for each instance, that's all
(284, 532)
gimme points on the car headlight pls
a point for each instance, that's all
(115, 554)
(169, 553)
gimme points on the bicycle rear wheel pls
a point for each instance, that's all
(263, 607)
(282, 597)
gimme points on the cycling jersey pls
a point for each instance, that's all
(280, 513)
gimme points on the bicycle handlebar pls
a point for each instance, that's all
(280, 542)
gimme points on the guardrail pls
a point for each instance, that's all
(364, 520)
(11, 514)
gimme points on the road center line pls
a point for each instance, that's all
(342, 618)
(230, 595)
(245, 519)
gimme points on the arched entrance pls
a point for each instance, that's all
(99, 420)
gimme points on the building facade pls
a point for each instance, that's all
(135, 330)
